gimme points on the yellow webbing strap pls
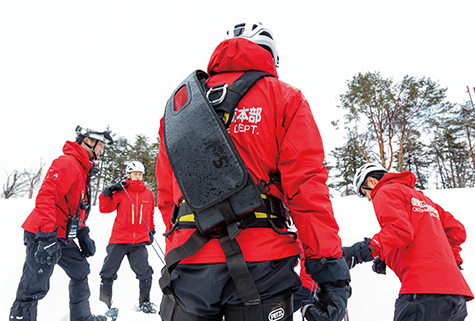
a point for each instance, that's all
(191, 217)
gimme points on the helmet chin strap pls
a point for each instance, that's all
(94, 156)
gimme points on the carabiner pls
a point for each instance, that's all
(220, 87)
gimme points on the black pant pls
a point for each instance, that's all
(34, 282)
(137, 255)
(204, 289)
(430, 307)
(303, 294)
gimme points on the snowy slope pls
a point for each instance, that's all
(373, 295)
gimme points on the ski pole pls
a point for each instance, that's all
(150, 232)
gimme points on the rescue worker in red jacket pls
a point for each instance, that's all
(133, 229)
(61, 210)
(275, 134)
(419, 241)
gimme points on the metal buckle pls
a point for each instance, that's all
(221, 87)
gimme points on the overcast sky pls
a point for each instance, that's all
(97, 63)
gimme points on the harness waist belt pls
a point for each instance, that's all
(273, 210)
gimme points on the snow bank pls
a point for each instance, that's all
(373, 294)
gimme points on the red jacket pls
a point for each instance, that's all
(274, 130)
(61, 191)
(419, 240)
(130, 226)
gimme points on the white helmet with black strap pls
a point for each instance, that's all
(362, 173)
(104, 137)
(257, 33)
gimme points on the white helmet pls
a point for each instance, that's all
(257, 33)
(135, 167)
(361, 174)
(104, 136)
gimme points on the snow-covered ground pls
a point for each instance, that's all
(373, 295)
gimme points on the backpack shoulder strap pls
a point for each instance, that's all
(225, 98)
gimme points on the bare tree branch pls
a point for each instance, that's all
(15, 185)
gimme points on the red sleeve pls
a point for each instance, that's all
(455, 232)
(57, 183)
(152, 213)
(396, 229)
(107, 204)
(164, 175)
(304, 181)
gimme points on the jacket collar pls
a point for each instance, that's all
(75, 150)
(135, 185)
(406, 178)
(240, 55)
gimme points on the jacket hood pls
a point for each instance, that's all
(406, 178)
(75, 150)
(240, 55)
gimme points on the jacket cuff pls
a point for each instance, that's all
(328, 271)
(375, 247)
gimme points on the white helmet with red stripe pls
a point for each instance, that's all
(257, 33)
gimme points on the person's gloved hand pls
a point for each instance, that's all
(48, 251)
(87, 245)
(152, 233)
(333, 278)
(379, 266)
(113, 188)
(357, 253)
(328, 304)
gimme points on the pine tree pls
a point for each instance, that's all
(416, 159)
(348, 159)
(146, 153)
(112, 166)
(388, 112)
(450, 151)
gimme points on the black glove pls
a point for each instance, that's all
(329, 271)
(87, 245)
(379, 266)
(329, 304)
(333, 278)
(357, 253)
(152, 233)
(113, 188)
(48, 251)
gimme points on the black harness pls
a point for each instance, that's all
(219, 195)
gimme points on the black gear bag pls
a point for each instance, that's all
(211, 175)
(208, 168)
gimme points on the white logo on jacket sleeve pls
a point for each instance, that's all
(421, 206)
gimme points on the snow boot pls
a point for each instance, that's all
(147, 307)
(105, 292)
(25, 311)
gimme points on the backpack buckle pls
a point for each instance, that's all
(215, 89)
